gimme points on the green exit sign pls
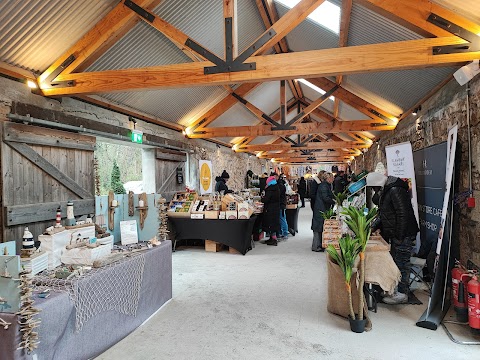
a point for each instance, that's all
(137, 136)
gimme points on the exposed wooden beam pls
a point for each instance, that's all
(230, 11)
(175, 35)
(306, 160)
(415, 13)
(288, 22)
(343, 41)
(16, 72)
(409, 54)
(355, 101)
(98, 39)
(123, 109)
(426, 97)
(269, 16)
(308, 146)
(304, 128)
(226, 103)
(283, 102)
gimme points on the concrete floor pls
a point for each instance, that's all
(271, 304)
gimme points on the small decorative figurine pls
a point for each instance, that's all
(70, 217)
(58, 217)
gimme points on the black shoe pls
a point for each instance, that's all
(272, 242)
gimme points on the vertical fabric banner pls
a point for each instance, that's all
(451, 148)
(400, 164)
(206, 178)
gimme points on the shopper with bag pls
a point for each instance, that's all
(271, 210)
(323, 201)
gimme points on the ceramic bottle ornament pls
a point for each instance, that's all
(70, 217)
(27, 241)
(58, 218)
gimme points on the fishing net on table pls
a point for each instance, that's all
(99, 290)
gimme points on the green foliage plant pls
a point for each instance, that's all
(345, 258)
(116, 183)
(340, 197)
(328, 214)
(360, 225)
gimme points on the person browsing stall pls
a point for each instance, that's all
(221, 184)
(323, 202)
(302, 190)
(397, 224)
(271, 210)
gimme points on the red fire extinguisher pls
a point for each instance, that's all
(460, 278)
(473, 288)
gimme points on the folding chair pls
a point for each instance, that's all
(417, 274)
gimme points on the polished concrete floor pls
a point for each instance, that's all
(271, 304)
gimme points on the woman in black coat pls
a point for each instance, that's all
(271, 210)
(302, 190)
(323, 201)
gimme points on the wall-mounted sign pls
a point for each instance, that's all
(137, 136)
(206, 178)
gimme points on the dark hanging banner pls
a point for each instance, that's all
(430, 169)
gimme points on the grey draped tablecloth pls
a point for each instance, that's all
(58, 338)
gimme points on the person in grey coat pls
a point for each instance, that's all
(323, 201)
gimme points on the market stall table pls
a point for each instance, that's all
(59, 335)
(233, 233)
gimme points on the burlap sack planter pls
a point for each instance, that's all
(337, 293)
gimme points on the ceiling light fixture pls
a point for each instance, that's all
(32, 84)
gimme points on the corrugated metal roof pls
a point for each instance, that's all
(145, 46)
(237, 115)
(266, 97)
(203, 21)
(467, 8)
(397, 91)
(346, 112)
(174, 105)
(388, 90)
(308, 35)
(142, 46)
(263, 140)
(313, 95)
(34, 34)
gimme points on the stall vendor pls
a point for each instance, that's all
(221, 185)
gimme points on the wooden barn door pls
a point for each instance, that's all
(168, 164)
(41, 169)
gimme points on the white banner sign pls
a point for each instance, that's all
(451, 148)
(400, 164)
(206, 178)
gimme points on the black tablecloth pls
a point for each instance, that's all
(233, 233)
(292, 220)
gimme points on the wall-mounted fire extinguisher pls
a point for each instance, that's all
(473, 288)
(460, 279)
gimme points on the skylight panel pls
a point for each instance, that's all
(314, 87)
(327, 14)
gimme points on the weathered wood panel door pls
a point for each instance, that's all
(168, 164)
(41, 169)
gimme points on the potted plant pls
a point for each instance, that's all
(329, 214)
(345, 258)
(359, 223)
(339, 199)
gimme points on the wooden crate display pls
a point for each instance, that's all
(212, 246)
(181, 204)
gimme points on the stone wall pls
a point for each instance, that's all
(430, 127)
(222, 157)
